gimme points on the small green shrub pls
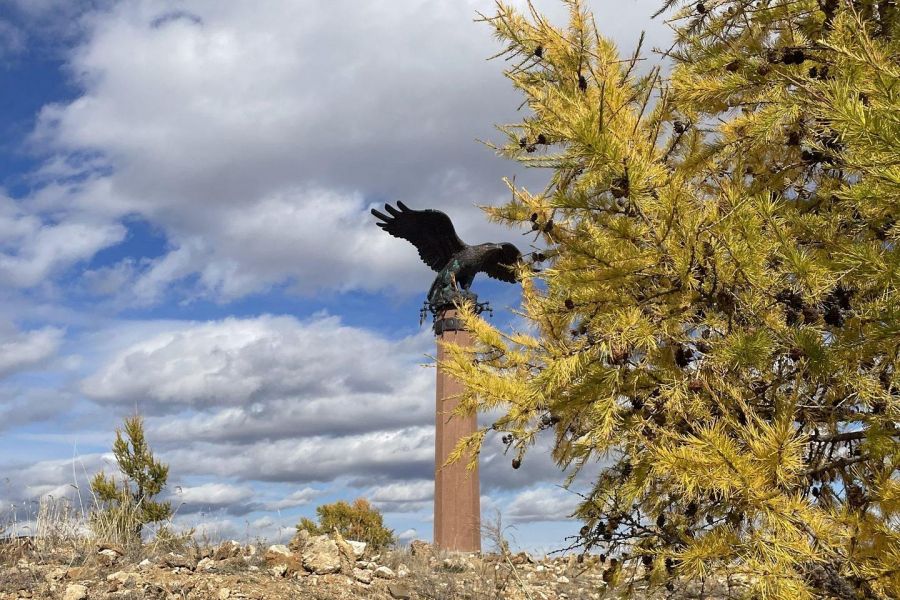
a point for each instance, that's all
(123, 509)
(356, 521)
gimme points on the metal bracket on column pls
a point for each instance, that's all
(448, 324)
(442, 323)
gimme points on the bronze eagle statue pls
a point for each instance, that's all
(457, 263)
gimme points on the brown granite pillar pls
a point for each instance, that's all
(457, 500)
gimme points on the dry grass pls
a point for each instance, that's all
(63, 530)
(448, 575)
(45, 529)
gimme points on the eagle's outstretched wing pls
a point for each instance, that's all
(500, 263)
(430, 231)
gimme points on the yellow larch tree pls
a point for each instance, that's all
(713, 317)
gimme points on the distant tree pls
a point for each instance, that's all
(357, 521)
(127, 506)
(714, 312)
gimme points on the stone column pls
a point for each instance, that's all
(457, 500)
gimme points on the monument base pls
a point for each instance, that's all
(457, 500)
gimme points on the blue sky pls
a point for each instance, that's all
(184, 231)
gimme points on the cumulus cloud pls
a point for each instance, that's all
(59, 478)
(275, 398)
(497, 473)
(35, 246)
(396, 454)
(219, 125)
(279, 399)
(403, 497)
(210, 497)
(237, 404)
(221, 528)
(20, 350)
(541, 504)
(300, 497)
(23, 406)
(258, 153)
(269, 376)
(253, 140)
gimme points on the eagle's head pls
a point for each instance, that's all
(509, 254)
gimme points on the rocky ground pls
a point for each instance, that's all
(323, 567)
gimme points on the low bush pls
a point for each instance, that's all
(357, 521)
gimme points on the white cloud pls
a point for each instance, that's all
(264, 530)
(62, 478)
(398, 454)
(253, 138)
(315, 238)
(277, 399)
(20, 350)
(541, 504)
(27, 405)
(262, 522)
(12, 40)
(403, 497)
(311, 374)
(407, 535)
(213, 495)
(257, 136)
(215, 530)
(35, 246)
(301, 497)
(408, 491)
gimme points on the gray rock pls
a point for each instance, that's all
(301, 538)
(226, 550)
(173, 560)
(521, 558)
(385, 573)
(359, 548)
(420, 548)
(456, 564)
(206, 564)
(348, 555)
(75, 592)
(321, 555)
(363, 576)
(399, 591)
(123, 577)
(278, 549)
(281, 561)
